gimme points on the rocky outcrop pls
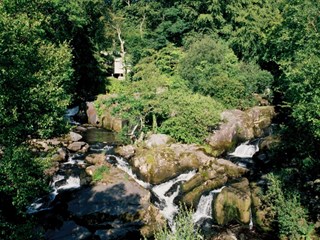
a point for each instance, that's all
(233, 203)
(211, 176)
(240, 126)
(158, 140)
(159, 164)
(119, 207)
(69, 230)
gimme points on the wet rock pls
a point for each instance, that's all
(75, 137)
(69, 231)
(233, 203)
(96, 158)
(127, 151)
(80, 129)
(161, 163)
(153, 221)
(76, 146)
(121, 232)
(240, 126)
(91, 169)
(63, 153)
(158, 139)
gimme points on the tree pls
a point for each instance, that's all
(35, 79)
(212, 68)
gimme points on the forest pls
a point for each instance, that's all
(184, 63)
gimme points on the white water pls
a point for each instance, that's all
(251, 220)
(204, 209)
(169, 210)
(44, 203)
(245, 150)
(72, 111)
(124, 166)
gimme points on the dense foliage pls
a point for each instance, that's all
(185, 62)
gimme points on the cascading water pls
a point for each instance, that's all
(59, 183)
(244, 153)
(124, 166)
(165, 199)
(168, 208)
(204, 209)
(245, 150)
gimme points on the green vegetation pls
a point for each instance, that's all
(100, 173)
(286, 208)
(186, 62)
(184, 228)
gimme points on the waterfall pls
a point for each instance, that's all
(251, 220)
(124, 166)
(204, 209)
(245, 150)
(59, 183)
(72, 111)
(169, 209)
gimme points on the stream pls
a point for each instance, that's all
(71, 180)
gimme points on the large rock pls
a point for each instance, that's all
(233, 203)
(96, 158)
(75, 137)
(77, 146)
(211, 176)
(158, 139)
(118, 206)
(161, 163)
(240, 126)
(69, 231)
(127, 151)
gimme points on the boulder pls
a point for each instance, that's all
(159, 164)
(233, 203)
(164, 162)
(63, 153)
(69, 231)
(212, 176)
(96, 158)
(239, 126)
(127, 151)
(75, 137)
(76, 146)
(158, 139)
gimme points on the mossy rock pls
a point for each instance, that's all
(233, 203)
(192, 198)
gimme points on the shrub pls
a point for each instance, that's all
(100, 173)
(184, 228)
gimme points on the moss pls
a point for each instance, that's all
(231, 212)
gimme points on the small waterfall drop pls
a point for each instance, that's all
(59, 183)
(251, 220)
(124, 166)
(204, 209)
(245, 150)
(169, 209)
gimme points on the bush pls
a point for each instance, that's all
(286, 208)
(100, 173)
(184, 228)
